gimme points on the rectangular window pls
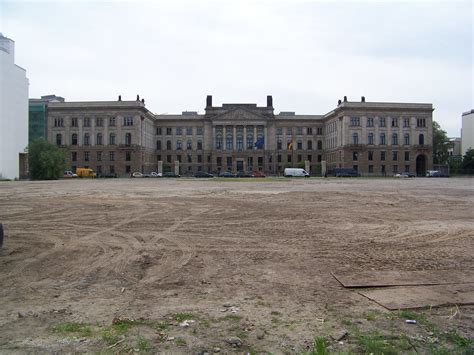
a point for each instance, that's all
(112, 169)
(382, 169)
(370, 155)
(169, 131)
(112, 156)
(279, 158)
(168, 158)
(260, 161)
(407, 168)
(371, 168)
(319, 131)
(370, 121)
(355, 155)
(112, 121)
(299, 158)
(99, 156)
(199, 158)
(209, 159)
(279, 131)
(189, 131)
(394, 122)
(382, 121)
(299, 130)
(128, 121)
(128, 169)
(320, 157)
(199, 131)
(406, 122)
(355, 121)
(73, 156)
(288, 158)
(229, 162)
(288, 131)
(74, 122)
(99, 122)
(159, 131)
(219, 161)
(158, 157)
(421, 122)
(394, 156)
(407, 156)
(178, 158)
(87, 156)
(99, 169)
(395, 169)
(299, 145)
(179, 131)
(382, 155)
(87, 122)
(128, 156)
(309, 130)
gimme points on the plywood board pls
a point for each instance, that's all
(394, 298)
(404, 278)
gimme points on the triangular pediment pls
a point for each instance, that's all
(239, 114)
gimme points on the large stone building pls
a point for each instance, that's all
(13, 113)
(124, 136)
(467, 131)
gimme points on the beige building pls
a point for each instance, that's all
(121, 137)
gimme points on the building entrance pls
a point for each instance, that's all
(240, 165)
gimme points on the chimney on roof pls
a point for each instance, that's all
(209, 101)
(339, 102)
(143, 101)
(138, 97)
(269, 101)
(120, 98)
(362, 99)
(345, 98)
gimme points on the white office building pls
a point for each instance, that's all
(13, 111)
(467, 131)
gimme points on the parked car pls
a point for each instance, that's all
(226, 174)
(433, 173)
(345, 172)
(258, 174)
(136, 174)
(170, 174)
(243, 174)
(404, 174)
(203, 174)
(69, 174)
(295, 172)
(155, 174)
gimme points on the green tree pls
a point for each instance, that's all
(468, 161)
(46, 161)
(441, 144)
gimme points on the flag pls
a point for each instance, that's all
(260, 142)
(289, 145)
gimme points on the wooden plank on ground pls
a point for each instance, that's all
(411, 297)
(403, 278)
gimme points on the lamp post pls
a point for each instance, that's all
(141, 142)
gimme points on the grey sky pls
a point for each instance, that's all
(307, 54)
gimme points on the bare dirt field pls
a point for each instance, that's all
(117, 266)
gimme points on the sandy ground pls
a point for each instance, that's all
(88, 251)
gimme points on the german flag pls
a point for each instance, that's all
(289, 145)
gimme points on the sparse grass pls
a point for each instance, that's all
(110, 337)
(462, 344)
(231, 318)
(143, 344)
(242, 334)
(372, 315)
(374, 343)
(81, 329)
(180, 342)
(182, 316)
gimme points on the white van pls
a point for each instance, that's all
(297, 172)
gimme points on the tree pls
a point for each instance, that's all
(468, 161)
(441, 144)
(46, 161)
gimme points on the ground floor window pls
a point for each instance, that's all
(128, 169)
(112, 169)
(371, 169)
(395, 169)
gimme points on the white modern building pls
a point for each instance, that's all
(467, 132)
(13, 111)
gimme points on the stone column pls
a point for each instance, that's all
(245, 137)
(234, 138)
(160, 166)
(265, 137)
(307, 166)
(254, 135)
(213, 138)
(176, 167)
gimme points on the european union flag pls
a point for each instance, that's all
(260, 142)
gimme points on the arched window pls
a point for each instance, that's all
(189, 144)
(128, 139)
(249, 140)
(394, 139)
(320, 145)
(370, 139)
(199, 145)
(406, 139)
(112, 139)
(99, 139)
(86, 139)
(168, 145)
(382, 138)
(59, 139)
(74, 139)
(179, 145)
(158, 145)
(279, 144)
(219, 141)
(421, 139)
(228, 142)
(310, 145)
(355, 138)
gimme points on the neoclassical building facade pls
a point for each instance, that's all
(121, 137)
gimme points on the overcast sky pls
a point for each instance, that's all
(307, 54)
